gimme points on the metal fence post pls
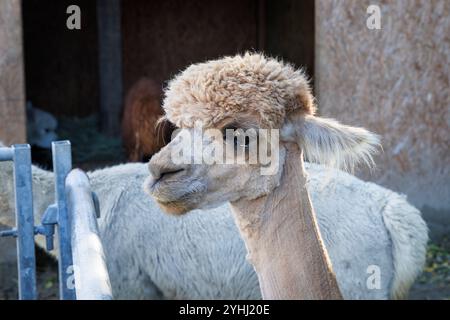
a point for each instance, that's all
(26, 260)
(62, 164)
(74, 213)
(91, 273)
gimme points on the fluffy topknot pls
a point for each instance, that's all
(249, 84)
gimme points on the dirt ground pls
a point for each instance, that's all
(434, 282)
(46, 273)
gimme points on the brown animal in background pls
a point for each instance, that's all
(142, 135)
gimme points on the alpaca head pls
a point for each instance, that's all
(41, 127)
(253, 102)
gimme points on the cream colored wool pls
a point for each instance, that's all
(249, 84)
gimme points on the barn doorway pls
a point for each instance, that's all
(157, 40)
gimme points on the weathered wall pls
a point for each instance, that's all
(12, 112)
(395, 81)
(12, 107)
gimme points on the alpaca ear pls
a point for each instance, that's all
(328, 142)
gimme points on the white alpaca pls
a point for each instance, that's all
(41, 127)
(201, 256)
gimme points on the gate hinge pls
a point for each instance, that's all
(47, 227)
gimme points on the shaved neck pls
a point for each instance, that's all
(283, 240)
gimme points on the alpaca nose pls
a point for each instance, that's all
(161, 170)
(169, 172)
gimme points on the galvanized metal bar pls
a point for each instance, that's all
(26, 261)
(6, 154)
(62, 164)
(91, 274)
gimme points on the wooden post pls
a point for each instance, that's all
(12, 87)
(110, 64)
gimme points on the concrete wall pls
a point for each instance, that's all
(394, 81)
(12, 118)
(12, 106)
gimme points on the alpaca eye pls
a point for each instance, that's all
(247, 141)
(236, 141)
(240, 137)
(242, 141)
(232, 131)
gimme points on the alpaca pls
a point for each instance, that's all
(41, 127)
(141, 135)
(201, 256)
(273, 212)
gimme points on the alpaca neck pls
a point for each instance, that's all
(283, 240)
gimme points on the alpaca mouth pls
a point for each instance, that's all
(178, 199)
(174, 202)
(174, 193)
(178, 206)
(165, 177)
(164, 185)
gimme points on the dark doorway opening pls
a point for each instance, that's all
(158, 39)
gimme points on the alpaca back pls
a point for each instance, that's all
(370, 232)
(201, 255)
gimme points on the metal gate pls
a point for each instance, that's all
(81, 263)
